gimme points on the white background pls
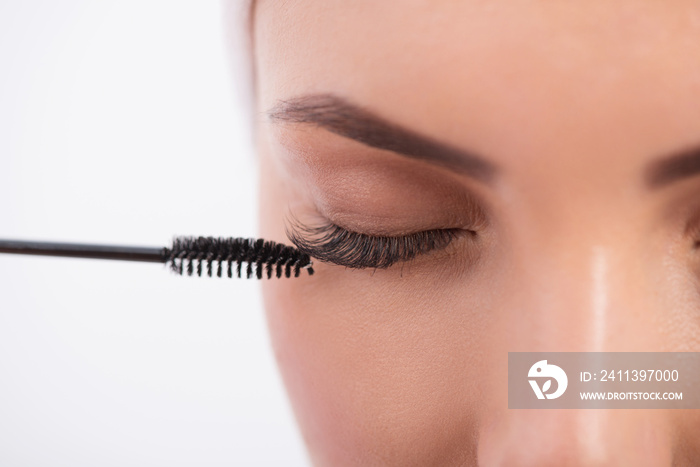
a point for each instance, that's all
(118, 125)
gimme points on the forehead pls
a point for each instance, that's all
(508, 78)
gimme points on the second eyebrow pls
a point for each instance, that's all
(340, 117)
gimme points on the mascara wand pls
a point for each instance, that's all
(186, 254)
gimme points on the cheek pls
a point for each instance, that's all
(373, 373)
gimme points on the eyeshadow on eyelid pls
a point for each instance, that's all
(369, 189)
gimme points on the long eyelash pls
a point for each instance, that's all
(332, 243)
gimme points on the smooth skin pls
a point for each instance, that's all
(572, 101)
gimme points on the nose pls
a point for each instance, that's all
(588, 300)
(576, 437)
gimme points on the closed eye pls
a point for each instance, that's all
(331, 243)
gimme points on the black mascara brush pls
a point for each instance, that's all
(186, 254)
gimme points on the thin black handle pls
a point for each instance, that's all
(78, 250)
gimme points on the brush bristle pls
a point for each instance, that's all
(194, 255)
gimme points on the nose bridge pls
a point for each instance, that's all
(575, 298)
(579, 284)
(579, 299)
(581, 437)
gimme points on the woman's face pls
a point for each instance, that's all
(536, 136)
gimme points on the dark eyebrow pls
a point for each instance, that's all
(683, 164)
(351, 121)
(339, 116)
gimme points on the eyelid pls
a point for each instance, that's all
(329, 242)
(343, 179)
